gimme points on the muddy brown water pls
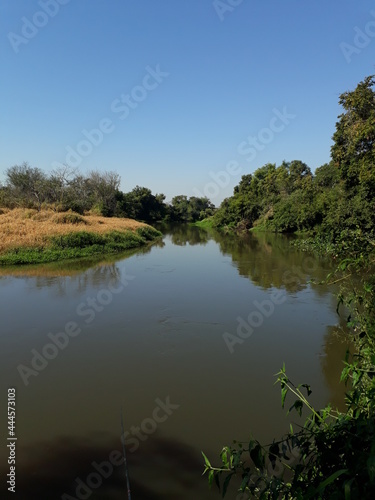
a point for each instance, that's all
(184, 336)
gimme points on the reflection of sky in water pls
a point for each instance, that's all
(162, 335)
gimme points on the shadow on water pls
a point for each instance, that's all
(336, 342)
(65, 469)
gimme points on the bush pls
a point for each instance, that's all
(69, 218)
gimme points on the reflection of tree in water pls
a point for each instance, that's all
(183, 234)
(336, 341)
(158, 469)
(269, 260)
(75, 276)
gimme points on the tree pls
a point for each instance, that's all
(142, 205)
(353, 151)
(104, 187)
(326, 176)
(27, 185)
(179, 208)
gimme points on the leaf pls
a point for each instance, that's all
(257, 456)
(273, 454)
(226, 484)
(284, 449)
(224, 456)
(217, 480)
(207, 462)
(210, 477)
(329, 480)
(244, 483)
(251, 444)
(297, 405)
(308, 388)
(284, 392)
(347, 489)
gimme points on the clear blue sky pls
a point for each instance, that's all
(227, 72)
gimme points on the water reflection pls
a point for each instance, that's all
(73, 267)
(268, 261)
(336, 342)
(163, 335)
(182, 235)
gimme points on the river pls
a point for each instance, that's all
(182, 338)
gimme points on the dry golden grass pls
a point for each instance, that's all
(30, 228)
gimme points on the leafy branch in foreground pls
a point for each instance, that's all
(332, 456)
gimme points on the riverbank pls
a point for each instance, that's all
(32, 237)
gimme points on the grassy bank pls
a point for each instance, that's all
(30, 237)
(205, 223)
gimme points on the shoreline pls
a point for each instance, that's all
(30, 237)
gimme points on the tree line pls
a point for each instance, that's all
(338, 197)
(97, 192)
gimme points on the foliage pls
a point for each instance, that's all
(340, 195)
(332, 456)
(98, 193)
(353, 151)
(184, 209)
(63, 189)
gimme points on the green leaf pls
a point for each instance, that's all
(207, 462)
(328, 481)
(224, 456)
(284, 392)
(244, 483)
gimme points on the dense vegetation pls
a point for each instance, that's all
(79, 245)
(332, 455)
(66, 189)
(338, 197)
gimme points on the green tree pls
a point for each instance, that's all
(141, 204)
(353, 151)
